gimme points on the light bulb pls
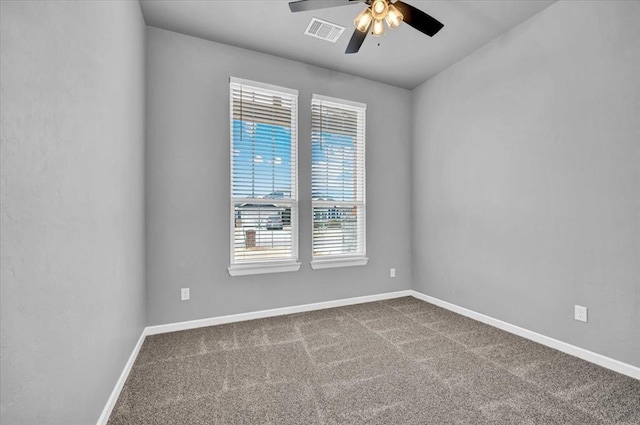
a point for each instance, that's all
(363, 20)
(379, 9)
(394, 17)
(378, 28)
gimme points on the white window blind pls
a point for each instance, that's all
(264, 195)
(338, 181)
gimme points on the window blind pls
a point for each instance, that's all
(264, 204)
(338, 178)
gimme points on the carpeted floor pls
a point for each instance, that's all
(395, 362)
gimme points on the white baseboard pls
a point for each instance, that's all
(587, 355)
(113, 398)
(211, 321)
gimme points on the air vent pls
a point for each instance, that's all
(324, 30)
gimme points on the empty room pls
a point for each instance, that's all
(320, 212)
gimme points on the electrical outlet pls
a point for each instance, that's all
(184, 294)
(392, 272)
(581, 313)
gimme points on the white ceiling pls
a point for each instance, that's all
(403, 57)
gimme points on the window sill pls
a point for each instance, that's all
(339, 262)
(260, 268)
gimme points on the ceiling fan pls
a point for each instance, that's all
(373, 17)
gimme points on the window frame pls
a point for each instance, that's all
(342, 260)
(242, 268)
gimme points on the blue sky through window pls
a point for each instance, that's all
(262, 162)
(261, 159)
(333, 160)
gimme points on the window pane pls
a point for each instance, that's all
(334, 167)
(263, 173)
(336, 230)
(262, 231)
(262, 162)
(338, 178)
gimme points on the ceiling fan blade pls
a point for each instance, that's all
(304, 5)
(418, 19)
(356, 40)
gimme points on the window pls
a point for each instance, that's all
(264, 194)
(338, 182)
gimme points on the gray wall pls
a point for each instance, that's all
(72, 194)
(526, 177)
(188, 182)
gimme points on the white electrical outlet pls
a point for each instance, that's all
(392, 272)
(184, 294)
(581, 313)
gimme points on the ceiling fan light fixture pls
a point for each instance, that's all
(378, 28)
(394, 17)
(379, 9)
(371, 19)
(363, 20)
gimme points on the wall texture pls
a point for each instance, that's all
(72, 195)
(188, 182)
(526, 177)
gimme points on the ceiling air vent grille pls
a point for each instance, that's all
(324, 30)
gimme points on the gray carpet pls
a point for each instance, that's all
(400, 361)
